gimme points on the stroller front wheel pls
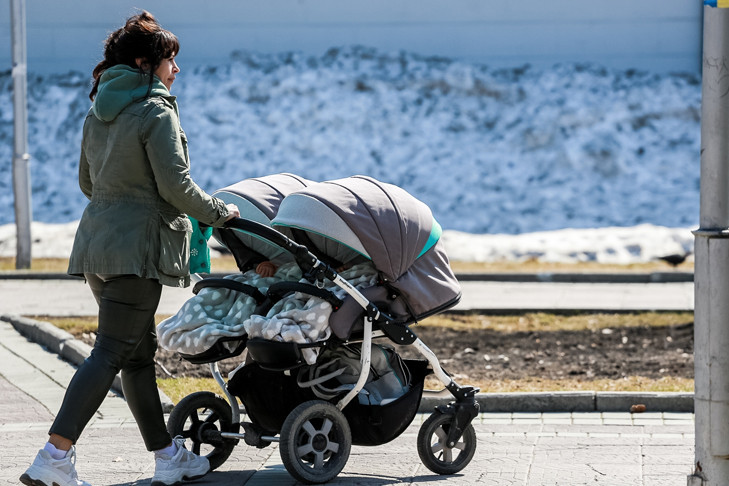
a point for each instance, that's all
(201, 417)
(315, 441)
(432, 445)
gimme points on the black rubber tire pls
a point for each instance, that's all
(199, 417)
(435, 455)
(315, 441)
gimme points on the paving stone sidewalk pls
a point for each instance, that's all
(532, 449)
(72, 297)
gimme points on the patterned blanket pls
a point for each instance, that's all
(217, 312)
(302, 318)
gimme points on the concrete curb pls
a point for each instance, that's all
(588, 401)
(32, 275)
(637, 278)
(66, 346)
(75, 351)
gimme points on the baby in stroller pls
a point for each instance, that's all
(393, 271)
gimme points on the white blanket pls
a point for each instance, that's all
(303, 318)
(217, 312)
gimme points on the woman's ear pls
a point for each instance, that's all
(140, 62)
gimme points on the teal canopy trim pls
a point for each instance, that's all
(435, 233)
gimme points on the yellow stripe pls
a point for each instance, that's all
(722, 3)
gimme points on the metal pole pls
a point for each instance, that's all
(711, 277)
(21, 159)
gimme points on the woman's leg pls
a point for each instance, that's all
(127, 305)
(139, 383)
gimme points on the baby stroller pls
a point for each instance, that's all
(314, 418)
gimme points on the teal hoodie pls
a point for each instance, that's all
(121, 86)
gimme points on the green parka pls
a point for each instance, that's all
(135, 170)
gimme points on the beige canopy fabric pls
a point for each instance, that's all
(382, 222)
(258, 199)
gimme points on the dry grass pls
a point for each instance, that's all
(7, 264)
(179, 388)
(535, 266)
(226, 264)
(542, 321)
(78, 325)
(60, 265)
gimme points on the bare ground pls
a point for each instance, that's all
(483, 355)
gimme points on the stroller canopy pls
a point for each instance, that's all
(258, 199)
(381, 222)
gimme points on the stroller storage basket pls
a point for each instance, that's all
(369, 424)
(267, 395)
(373, 425)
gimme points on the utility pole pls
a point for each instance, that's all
(711, 245)
(21, 159)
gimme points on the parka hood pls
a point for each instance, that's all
(121, 86)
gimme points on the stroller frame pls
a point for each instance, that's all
(450, 425)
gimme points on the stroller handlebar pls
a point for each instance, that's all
(301, 253)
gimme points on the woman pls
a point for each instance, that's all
(132, 238)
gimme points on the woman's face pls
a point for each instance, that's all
(166, 71)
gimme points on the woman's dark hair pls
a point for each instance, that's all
(142, 36)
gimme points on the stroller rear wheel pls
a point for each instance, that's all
(201, 417)
(315, 441)
(433, 451)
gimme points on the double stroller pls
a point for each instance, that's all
(370, 263)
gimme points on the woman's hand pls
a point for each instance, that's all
(234, 212)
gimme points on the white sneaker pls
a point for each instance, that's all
(46, 471)
(170, 470)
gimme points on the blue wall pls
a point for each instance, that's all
(659, 35)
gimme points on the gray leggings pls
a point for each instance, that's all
(126, 341)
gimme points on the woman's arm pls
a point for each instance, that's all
(84, 177)
(162, 137)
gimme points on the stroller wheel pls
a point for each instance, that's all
(432, 450)
(200, 417)
(315, 441)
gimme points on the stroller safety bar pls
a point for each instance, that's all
(303, 256)
(230, 285)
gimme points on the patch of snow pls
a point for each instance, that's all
(573, 162)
